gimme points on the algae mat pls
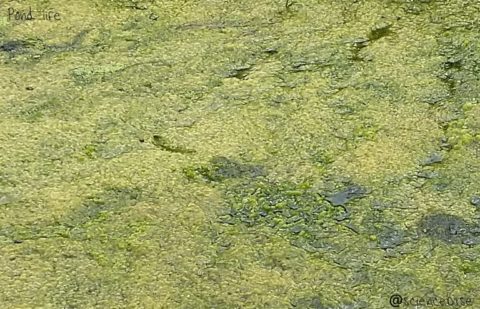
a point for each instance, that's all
(239, 154)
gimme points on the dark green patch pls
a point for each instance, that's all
(14, 46)
(67, 46)
(448, 228)
(475, 201)
(436, 96)
(240, 72)
(309, 302)
(40, 107)
(165, 144)
(461, 66)
(390, 237)
(343, 197)
(295, 210)
(432, 159)
(19, 233)
(221, 168)
(110, 201)
(379, 30)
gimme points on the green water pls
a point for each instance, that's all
(239, 154)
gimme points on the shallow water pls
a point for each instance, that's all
(225, 154)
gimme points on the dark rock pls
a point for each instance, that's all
(343, 197)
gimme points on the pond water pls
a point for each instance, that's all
(239, 154)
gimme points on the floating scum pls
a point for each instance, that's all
(290, 154)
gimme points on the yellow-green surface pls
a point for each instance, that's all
(188, 154)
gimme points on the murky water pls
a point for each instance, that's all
(239, 154)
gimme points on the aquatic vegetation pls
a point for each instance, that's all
(248, 154)
(289, 208)
(164, 143)
(107, 203)
(222, 168)
(448, 228)
(87, 75)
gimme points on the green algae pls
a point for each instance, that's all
(163, 143)
(221, 168)
(199, 155)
